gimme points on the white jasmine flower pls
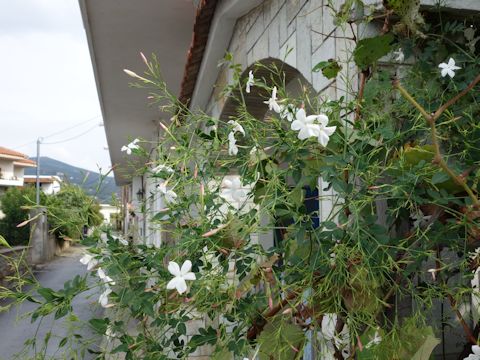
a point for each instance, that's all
(420, 219)
(288, 112)
(170, 196)
(89, 260)
(305, 124)
(449, 68)
(328, 332)
(272, 102)
(237, 127)
(233, 189)
(103, 299)
(475, 355)
(180, 275)
(109, 332)
(473, 255)
(250, 82)
(308, 127)
(128, 148)
(232, 144)
(106, 279)
(162, 167)
(377, 339)
(399, 56)
(325, 131)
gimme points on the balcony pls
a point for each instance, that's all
(6, 180)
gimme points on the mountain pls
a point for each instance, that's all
(88, 180)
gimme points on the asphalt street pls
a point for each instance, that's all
(16, 328)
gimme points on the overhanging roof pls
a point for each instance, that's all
(117, 31)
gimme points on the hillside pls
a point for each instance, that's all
(88, 180)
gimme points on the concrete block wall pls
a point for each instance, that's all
(299, 32)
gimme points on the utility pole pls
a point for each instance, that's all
(39, 140)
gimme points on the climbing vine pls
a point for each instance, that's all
(399, 160)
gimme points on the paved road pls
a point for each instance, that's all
(15, 330)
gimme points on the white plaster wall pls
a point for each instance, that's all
(6, 167)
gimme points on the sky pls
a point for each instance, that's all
(47, 84)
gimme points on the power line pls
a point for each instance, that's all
(61, 131)
(72, 127)
(72, 138)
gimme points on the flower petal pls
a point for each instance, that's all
(476, 349)
(174, 268)
(181, 286)
(173, 284)
(186, 267)
(301, 115)
(296, 125)
(322, 119)
(190, 276)
(329, 130)
(323, 138)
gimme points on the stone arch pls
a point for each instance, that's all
(294, 80)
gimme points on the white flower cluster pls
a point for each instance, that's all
(232, 142)
(313, 126)
(132, 146)
(307, 126)
(91, 263)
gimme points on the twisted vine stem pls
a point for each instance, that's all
(440, 160)
(431, 120)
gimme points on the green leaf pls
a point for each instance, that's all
(426, 349)
(47, 293)
(99, 325)
(279, 340)
(3, 242)
(62, 342)
(329, 69)
(369, 50)
(439, 177)
(206, 336)
(221, 355)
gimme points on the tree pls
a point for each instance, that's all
(12, 203)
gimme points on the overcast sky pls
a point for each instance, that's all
(47, 83)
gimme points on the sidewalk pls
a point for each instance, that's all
(15, 330)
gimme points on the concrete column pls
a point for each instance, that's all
(42, 246)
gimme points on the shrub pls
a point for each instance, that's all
(70, 210)
(11, 204)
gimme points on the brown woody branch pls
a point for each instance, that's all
(257, 328)
(431, 120)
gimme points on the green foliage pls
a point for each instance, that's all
(393, 238)
(329, 68)
(12, 205)
(280, 340)
(70, 210)
(368, 51)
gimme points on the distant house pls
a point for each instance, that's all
(107, 211)
(12, 166)
(49, 184)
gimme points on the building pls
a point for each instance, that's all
(12, 166)
(49, 184)
(109, 212)
(190, 39)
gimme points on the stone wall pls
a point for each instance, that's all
(300, 33)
